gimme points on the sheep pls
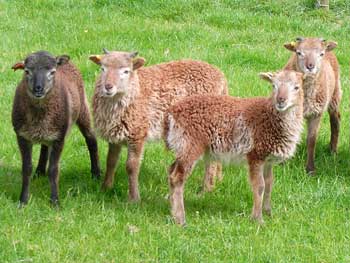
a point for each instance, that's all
(261, 131)
(129, 102)
(322, 89)
(48, 100)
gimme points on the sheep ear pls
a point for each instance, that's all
(18, 65)
(138, 63)
(290, 46)
(134, 54)
(96, 59)
(61, 60)
(331, 45)
(266, 76)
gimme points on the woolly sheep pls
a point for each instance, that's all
(261, 131)
(322, 90)
(130, 100)
(48, 100)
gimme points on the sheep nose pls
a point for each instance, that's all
(281, 100)
(108, 86)
(38, 88)
(310, 66)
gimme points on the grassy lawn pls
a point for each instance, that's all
(311, 216)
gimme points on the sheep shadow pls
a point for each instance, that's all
(76, 180)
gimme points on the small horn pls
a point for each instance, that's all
(299, 39)
(134, 54)
(105, 51)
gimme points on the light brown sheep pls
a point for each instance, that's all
(130, 100)
(261, 131)
(322, 89)
(48, 100)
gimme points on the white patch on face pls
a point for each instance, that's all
(122, 82)
(124, 76)
(313, 56)
(50, 74)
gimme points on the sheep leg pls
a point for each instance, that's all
(256, 177)
(268, 178)
(178, 173)
(313, 126)
(212, 173)
(219, 175)
(334, 117)
(135, 151)
(25, 148)
(112, 159)
(44, 155)
(177, 177)
(90, 139)
(55, 154)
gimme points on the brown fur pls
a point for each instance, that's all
(47, 122)
(322, 92)
(136, 116)
(234, 129)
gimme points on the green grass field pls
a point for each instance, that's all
(311, 216)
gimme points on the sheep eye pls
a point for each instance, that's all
(296, 87)
(322, 54)
(126, 71)
(52, 72)
(103, 69)
(299, 53)
(27, 71)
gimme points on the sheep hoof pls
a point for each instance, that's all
(257, 219)
(23, 200)
(96, 175)
(268, 212)
(22, 204)
(311, 171)
(179, 221)
(55, 203)
(134, 200)
(333, 149)
(39, 173)
(105, 187)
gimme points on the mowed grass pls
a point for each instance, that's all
(311, 216)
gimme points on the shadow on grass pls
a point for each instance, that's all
(327, 164)
(225, 201)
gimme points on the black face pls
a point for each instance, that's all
(40, 68)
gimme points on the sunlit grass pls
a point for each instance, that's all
(310, 220)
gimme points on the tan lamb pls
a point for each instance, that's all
(260, 131)
(49, 99)
(130, 100)
(322, 90)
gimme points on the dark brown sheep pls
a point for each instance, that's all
(48, 100)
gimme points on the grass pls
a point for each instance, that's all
(311, 215)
